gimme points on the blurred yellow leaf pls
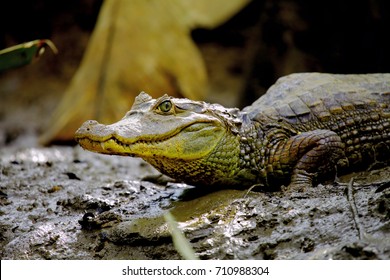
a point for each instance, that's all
(137, 46)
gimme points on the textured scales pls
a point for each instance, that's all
(306, 127)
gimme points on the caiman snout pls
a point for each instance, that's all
(92, 129)
(86, 126)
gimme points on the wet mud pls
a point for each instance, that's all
(67, 203)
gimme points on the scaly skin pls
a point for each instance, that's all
(304, 128)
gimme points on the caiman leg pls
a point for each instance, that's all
(310, 154)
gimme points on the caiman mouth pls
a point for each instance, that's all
(144, 145)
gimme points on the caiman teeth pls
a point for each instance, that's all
(106, 143)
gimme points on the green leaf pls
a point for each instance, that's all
(23, 54)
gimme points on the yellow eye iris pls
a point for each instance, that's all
(165, 106)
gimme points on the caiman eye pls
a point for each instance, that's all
(165, 106)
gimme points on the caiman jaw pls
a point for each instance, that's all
(192, 141)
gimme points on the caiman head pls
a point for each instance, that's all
(190, 141)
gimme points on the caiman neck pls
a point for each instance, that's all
(220, 167)
(233, 162)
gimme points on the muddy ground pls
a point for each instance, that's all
(66, 203)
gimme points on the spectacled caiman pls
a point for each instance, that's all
(305, 128)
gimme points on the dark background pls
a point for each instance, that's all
(284, 36)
